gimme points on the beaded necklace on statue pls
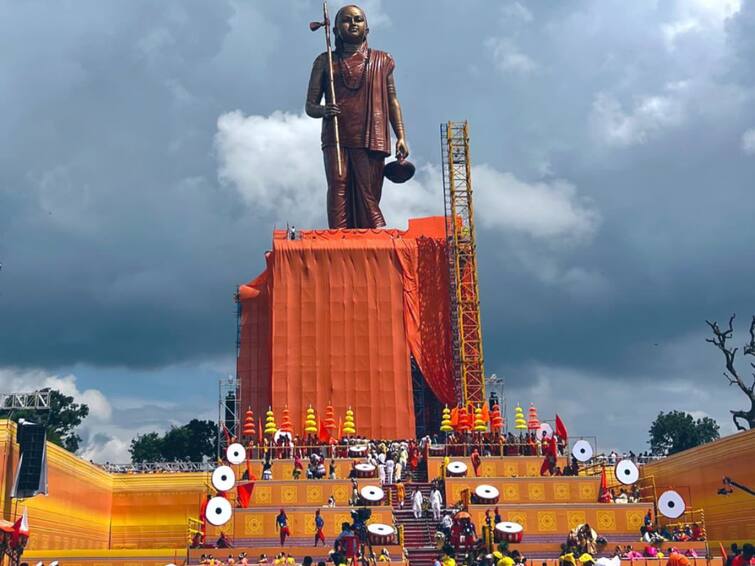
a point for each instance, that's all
(346, 72)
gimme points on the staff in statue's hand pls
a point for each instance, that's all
(331, 109)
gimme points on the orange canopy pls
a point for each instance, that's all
(334, 318)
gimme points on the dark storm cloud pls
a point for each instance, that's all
(121, 248)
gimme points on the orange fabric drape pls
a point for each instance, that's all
(334, 318)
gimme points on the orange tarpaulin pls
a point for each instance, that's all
(334, 318)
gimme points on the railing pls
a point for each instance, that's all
(488, 448)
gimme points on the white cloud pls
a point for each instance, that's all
(748, 141)
(545, 210)
(515, 11)
(711, 11)
(508, 58)
(579, 397)
(27, 381)
(650, 116)
(674, 30)
(107, 432)
(275, 164)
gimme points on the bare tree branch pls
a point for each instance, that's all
(720, 340)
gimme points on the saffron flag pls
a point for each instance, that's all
(323, 435)
(561, 429)
(604, 496)
(485, 413)
(455, 417)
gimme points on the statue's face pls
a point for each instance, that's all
(351, 25)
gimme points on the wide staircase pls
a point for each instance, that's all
(418, 533)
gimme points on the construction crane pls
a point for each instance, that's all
(462, 264)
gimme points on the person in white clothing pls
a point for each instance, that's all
(436, 501)
(389, 467)
(381, 473)
(417, 504)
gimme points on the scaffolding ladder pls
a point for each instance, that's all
(462, 262)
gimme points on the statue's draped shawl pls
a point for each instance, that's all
(364, 121)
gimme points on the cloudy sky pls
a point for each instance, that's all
(147, 149)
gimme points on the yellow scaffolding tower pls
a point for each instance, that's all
(460, 235)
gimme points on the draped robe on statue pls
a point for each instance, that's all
(364, 122)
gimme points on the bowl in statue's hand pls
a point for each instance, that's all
(399, 171)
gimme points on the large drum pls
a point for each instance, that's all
(381, 534)
(372, 494)
(456, 469)
(437, 450)
(485, 495)
(357, 451)
(509, 532)
(365, 470)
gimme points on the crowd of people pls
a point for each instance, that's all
(335, 558)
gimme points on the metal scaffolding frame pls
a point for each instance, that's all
(36, 401)
(228, 411)
(462, 258)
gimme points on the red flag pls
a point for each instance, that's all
(323, 435)
(259, 430)
(244, 491)
(561, 429)
(604, 496)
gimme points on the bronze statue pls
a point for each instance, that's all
(365, 103)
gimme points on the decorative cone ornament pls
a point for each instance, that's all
(348, 424)
(479, 422)
(329, 422)
(463, 420)
(445, 420)
(286, 421)
(519, 422)
(310, 421)
(270, 427)
(249, 429)
(496, 420)
(533, 423)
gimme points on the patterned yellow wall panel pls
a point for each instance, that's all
(544, 519)
(497, 467)
(531, 490)
(696, 474)
(260, 524)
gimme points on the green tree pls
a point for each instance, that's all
(146, 448)
(676, 431)
(60, 420)
(192, 442)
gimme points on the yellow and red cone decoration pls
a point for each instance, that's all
(349, 429)
(496, 420)
(533, 423)
(286, 421)
(310, 421)
(249, 431)
(479, 422)
(445, 420)
(464, 420)
(519, 422)
(270, 427)
(329, 422)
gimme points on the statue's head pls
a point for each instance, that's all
(350, 25)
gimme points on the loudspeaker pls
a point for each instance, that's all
(31, 475)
